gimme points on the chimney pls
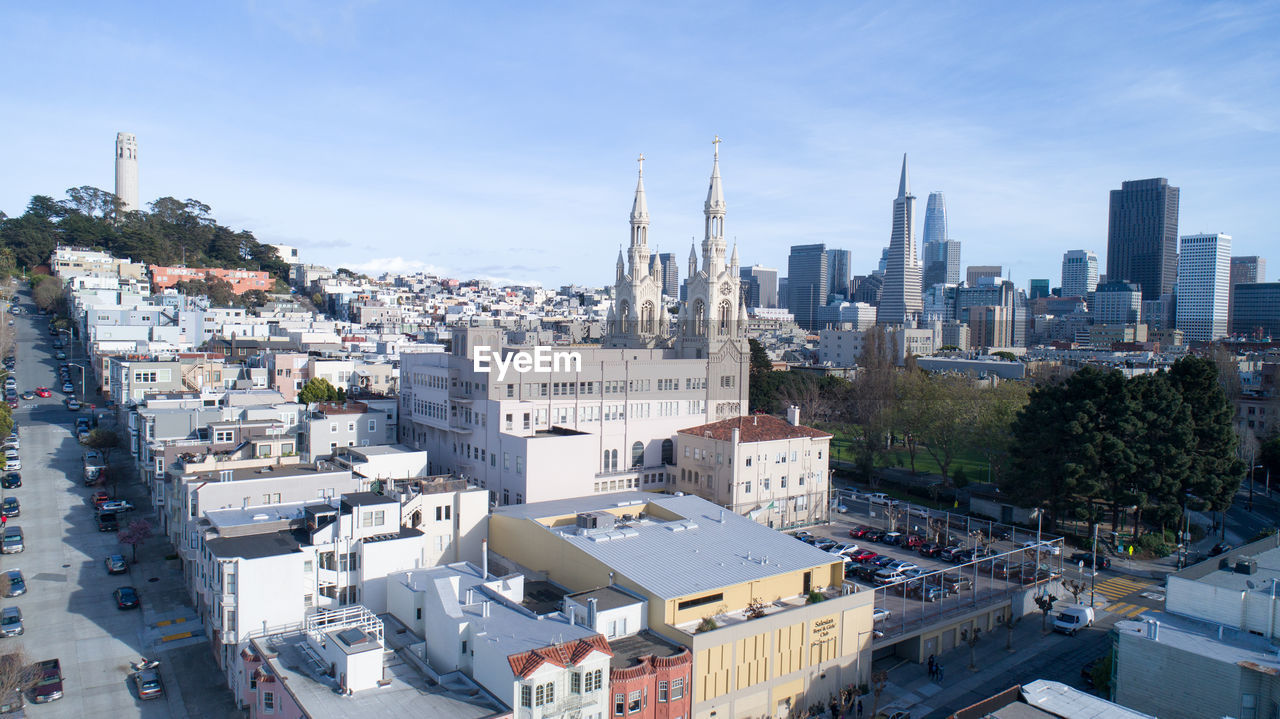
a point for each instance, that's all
(484, 608)
(572, 614)
(793, 416)
(736, 436)
(591, 613)
(484, 559)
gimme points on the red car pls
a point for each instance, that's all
(43, 392)
(863, 555)
(859, 532)
(913, 541)
(13, 403)
(100, 498)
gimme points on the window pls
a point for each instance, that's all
(677, 689)
(595, 680)
(333, 426)
(526, 696)
(519, 464)
(633, 702)
(269, 702)
(619, 704)
(748, 461)
(575, 679)
(374, 519)
(637, 454)
(443, 513)
(509, 418)
(373, 425)
(662, 691)
(700, 601)
(224, 435)
(668, 452)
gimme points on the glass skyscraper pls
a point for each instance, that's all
(807, 283)
(1142, 236)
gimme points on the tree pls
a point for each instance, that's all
(1269, 454)
(971, 636)
(103, 440)
(318, 389)
(879, 680)
(48, 294)
(1216, 472)
(1045, 602)
(17, 673)
(138, 532)
(1010, 622)
(950, 422)
(1075, 587)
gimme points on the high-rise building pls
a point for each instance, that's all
(900, 301)
(838, 272)
(941, 253)
(670, 274)
(784, 293)
(807, 283)
(1142, 236)
(941, 263)
(1257, 309)
(995, 303)
(1039, 288)
(127, 171)
(1204, 278)
(975, 273)
(1117, 303)
(760, 284)
(1079, 273)
(1244, 270)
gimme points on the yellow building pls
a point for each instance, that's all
(738, 594)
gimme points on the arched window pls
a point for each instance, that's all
(637, 454)
(624, 316)
(613, 459)
(723, 318)
(699, 318)
(648, 325)
(668, 452)
(605, 463)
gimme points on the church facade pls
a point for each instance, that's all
(608, 424)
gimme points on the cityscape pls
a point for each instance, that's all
(404, 454)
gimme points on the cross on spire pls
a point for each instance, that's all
(717, 142)
(640, 161)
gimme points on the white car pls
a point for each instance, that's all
(880, 615)
(68, 388)
(878, 498)
(845, 549)
(1045, 547)
(12, 464)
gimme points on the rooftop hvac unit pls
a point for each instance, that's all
(1247, 565)
(595, 520)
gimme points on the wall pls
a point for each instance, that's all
(1170, 683)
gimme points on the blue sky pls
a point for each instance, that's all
(499, 140)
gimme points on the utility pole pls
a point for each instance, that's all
(1094, 564)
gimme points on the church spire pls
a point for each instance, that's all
(904, 183)
(715, 194)
(640, 208)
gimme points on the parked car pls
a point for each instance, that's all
(955, 584)
(73, 404)
(1104, 562)
(929, 549)
(888, 576)
(10, 507)
(848, 550)
(824, 544)
(11, 480)
(61, 355)
(879, 498)
(882, 561)
(116, 564)
(115, 506)
(43, 392)
(107, 522)
(879, 615)
(913, 541)
(68, 388)
(14, 583)
(148, 683)
(893, 538)
(863, 572)
(902, 565)
(10, 622)
(859, 532)
(1072, 619)
(49, 681)
(13, 541)
(803, 536)
(126, 598)
(100, 498)
(875, 535)
(1220, 548)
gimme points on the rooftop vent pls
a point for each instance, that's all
(1246, 565)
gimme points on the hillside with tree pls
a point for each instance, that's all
(171, 232)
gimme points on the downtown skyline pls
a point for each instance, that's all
(524, 156)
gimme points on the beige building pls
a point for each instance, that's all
(771, 471)
(768, 619)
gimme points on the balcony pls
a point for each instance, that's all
(567, 702)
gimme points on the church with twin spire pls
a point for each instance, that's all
(711, 321)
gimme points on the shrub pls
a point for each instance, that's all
(707, 624)
(1153, 544)
(814, 597)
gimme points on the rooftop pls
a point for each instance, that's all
(268, 472)
(627, 651)
(1265, 551)
(407, 692)
(755, 428)
(606, 598)
(1205, 639)
(382, 450)
(256, 546)
(716, 548)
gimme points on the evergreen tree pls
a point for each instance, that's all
(1215, 473)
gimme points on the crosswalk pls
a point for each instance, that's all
(1117, 588)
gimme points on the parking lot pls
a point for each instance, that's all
(932, 587)
(69, 611)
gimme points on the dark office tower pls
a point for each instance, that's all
(1039, 288)
(759, 286)
(670, 274)
(784, 294)
(900, 300)
(838, 272)
(807, 283)
(1142, 236)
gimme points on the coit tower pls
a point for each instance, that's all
(127, 171)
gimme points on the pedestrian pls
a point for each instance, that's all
(938, 670)
(859, 708)
(933, 663)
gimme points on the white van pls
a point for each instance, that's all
(1073, 618)
(878, 498)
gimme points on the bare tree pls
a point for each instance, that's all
(17, 674)
(971, 637)
(1010, 622)
(1045, 602)
(1075, 587)
(879, 680)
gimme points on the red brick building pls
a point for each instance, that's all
(241, 281)
(649, 678)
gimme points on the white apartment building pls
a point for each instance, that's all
(259, 569)
(1204, 285)
(1079, 273)
(840, 348)
(771, 471)
(545, 666)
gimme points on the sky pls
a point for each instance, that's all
(499, 140)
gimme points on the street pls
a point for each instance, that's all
(68, 611)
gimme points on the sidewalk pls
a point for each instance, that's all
(910, 686)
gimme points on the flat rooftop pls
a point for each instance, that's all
(268, 472)
(606, 598)
(256, 546)
(1265, 551)
(708, 547)
(627, 651)
(407, 693)
(1202, 638)
(382, 450)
